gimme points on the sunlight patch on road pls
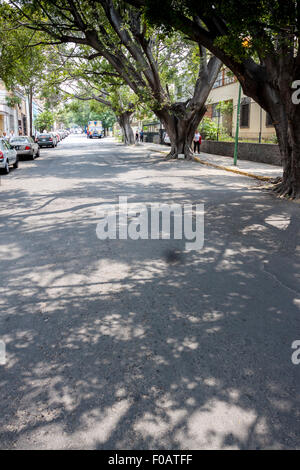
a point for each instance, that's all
(95, 426)
(217, 425)
(10, 251)
(280, 221)
(254, 228)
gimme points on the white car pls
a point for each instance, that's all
(8, 156)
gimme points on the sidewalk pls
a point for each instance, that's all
(261, 171)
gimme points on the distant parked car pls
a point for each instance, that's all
(8, 156)
(45, 140)
(25, 146)
(62, 133)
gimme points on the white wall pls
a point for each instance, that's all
(7, 112)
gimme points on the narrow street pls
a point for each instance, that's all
(123, 344)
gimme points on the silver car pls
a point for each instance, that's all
(25, 145)
(8, 156)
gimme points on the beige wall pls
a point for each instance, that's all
(230, 92)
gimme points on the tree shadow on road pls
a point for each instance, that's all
(142, 345)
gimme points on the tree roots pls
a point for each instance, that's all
(286, 189)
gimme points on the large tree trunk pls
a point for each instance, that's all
(288, 134)
(270, 85)
(181, 119)
(276, 99)
(124, 121)
(181, 123)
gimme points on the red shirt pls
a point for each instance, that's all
(197, 137)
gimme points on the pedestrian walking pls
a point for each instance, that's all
(197, 142)
(137, 136)
(142, 136)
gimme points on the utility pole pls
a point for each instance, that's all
(237, 127)
(260, 126)
(219, 115)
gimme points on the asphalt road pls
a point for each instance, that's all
(123, 344)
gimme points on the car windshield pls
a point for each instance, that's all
(19, 139)
(44, 135)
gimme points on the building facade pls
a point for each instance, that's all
(254, 121)
(8, 114)
(15, 116)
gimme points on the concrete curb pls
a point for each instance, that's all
(158, 151)
(221, 167)
(233, 170)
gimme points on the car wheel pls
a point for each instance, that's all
(38, 153)
(32, 156)
(16, 164)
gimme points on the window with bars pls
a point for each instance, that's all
(228, 78)
(245, 112)
(215, 111)
(219, 80)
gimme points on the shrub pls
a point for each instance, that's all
(209, 130)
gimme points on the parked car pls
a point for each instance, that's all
(45, 140)
(25, 146)
(8, 156)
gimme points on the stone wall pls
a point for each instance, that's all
(152, 137)
(263, 153)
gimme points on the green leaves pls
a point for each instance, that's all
(242, 29)
(11, 101)
(44, 121)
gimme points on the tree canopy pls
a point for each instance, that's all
(259, 41)
(142, 56)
